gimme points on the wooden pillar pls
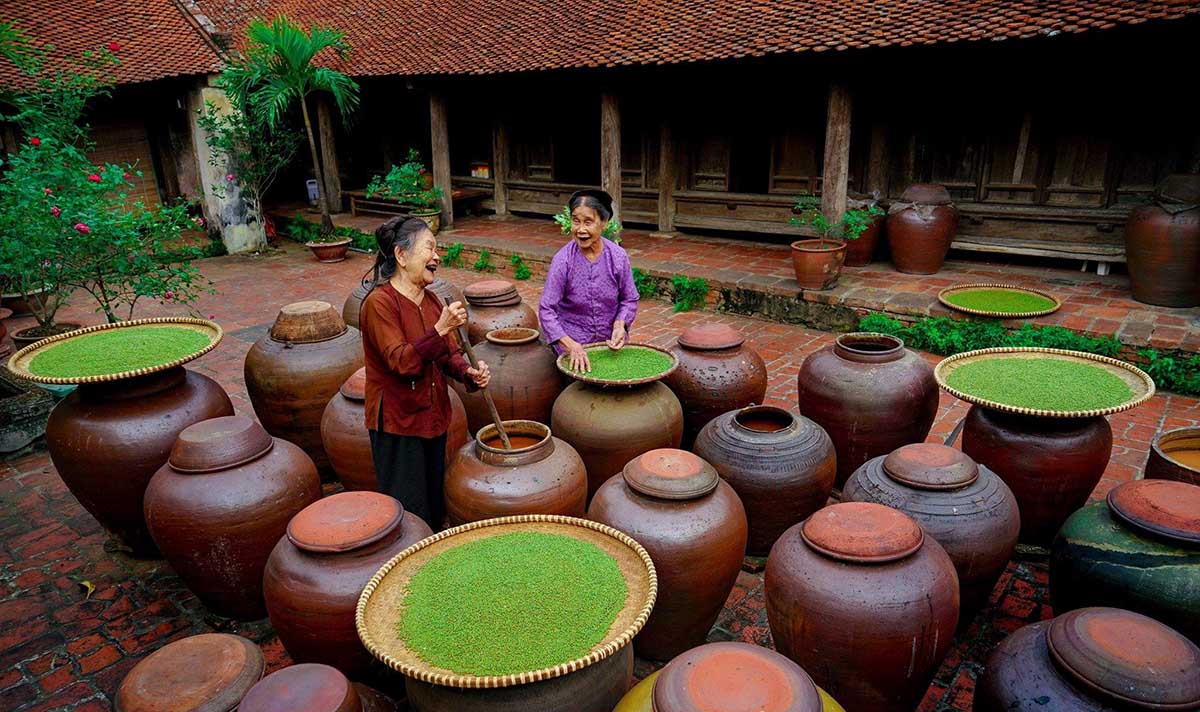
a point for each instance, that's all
(329, 160)
(837, 153)
(610, 150)
(439, 131)
(666, 178)
(877, 162)
(500, 166)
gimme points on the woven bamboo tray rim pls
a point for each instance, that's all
(415, 668)
(1138, 380)
(564, 366)
(20, 361)
(942, 297)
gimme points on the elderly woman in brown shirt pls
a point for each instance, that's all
(409, 347)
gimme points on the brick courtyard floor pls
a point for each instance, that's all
(63, 649)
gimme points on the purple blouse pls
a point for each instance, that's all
(582, 299)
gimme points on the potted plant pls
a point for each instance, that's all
(326, 248)
(861, 251)
(410, 185)
(818, 262)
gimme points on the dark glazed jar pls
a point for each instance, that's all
(221, 503)
(967, 508)
(210, 672)
(694, 527)
(108, 439)
(540, 475)
(866, 603)
(1175, 455)
(717, 373)
(1162, 245)
(496, 304)
(307, 687)
(317, 571)
(524, 383)
(861, 252)
(782, 466)
(920, 227)
(870, 394)
(1091, 660)
(1050, 464)
(734, 677)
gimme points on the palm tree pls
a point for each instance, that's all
(276, 69)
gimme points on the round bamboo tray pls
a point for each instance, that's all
(958, 288)
(563, 364)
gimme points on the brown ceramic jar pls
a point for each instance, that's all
(353, 304)
(967, 508)
(1175, 455)
(210, 672)
(1162, 245)
(107, 440)
(317, 571)
(293, 372)
(870, 394)
(694, 527)
(540, 475)
(525, 380)
(782, 466)
(920, 228)
(860, 598)
(496, 304)
(307, 687)
(1050, 464)
(717, 373)
(1091, 660)
(221, 503)
(861, 252)
(734, 677)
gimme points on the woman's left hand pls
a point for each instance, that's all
(618, 336)
(481, 375)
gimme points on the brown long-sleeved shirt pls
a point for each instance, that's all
(407, 363)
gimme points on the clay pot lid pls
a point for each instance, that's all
(345, 521)
(211, 672)
(492, 292)
(512, 336)
(1164, 507)
(734, 677)
(926, 194)
(219, 444)
(930, 466)
(862, 532)
(711, 337)
(1127, 656)
(355, 387)
(667, 473)
(307, 323)
(307, 687)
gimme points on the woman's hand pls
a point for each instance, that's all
(618, 336)
(481, 374)
(577, 358)
(453, 316)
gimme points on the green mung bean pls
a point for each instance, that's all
(1000, 300)
(1041, 383)
(102, 353)
(627, 364)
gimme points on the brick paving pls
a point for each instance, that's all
(63, 649)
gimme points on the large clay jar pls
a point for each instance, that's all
(1162, 245)
(782, 466)
(967, 508)
(694, 526)
(353, 305)
(219, 505)
(865, 602)
(524, 382)
(496, 304)
(1139, 550)
(920, 228)
(1050, 464)
(108, 439)
(1175, 455)
(211, 672)
(307, 687)
(734, 677)
(316, 572)
(870, 394)
(293, 372)
(717, 373)
(1091, 660)
(539, 475)
(458, 434)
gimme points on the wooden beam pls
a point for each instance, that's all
(610, 150)
(836, 175)
(877, 161)
(439, 134)
(666, 178)
(500, 166)
(329, 159)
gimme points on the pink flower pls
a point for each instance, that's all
(127, 176)
(169, 295)
(422, 171)
(212, 316)
(113, 46)
(198, 221)
(47, 191)
(56, 211)
(82, 229)
(94, 178)
(229, 177)
(35, 141)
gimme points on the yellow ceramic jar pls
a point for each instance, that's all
(639, 698)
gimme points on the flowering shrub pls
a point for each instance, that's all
(407, 184)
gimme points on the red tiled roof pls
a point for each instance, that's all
(156, 38)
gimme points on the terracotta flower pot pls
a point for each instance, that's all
(717, 373)
(1175, 455)
(524, 383)
(861, 252)
(818, 263)
(1162, 245)
(34, 334)
(495, 304)
(329, 251)
(920, 228)
(210, 671)
(431, 216)
(20, 305)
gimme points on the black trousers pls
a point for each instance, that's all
(412, 469)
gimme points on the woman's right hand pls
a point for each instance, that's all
(453, 316)
(577, 358)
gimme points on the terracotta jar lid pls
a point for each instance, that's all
(1128, 657)
(862, 532)
(355, 387)
(204, 673)
(734, 677)
(493, 293)
(1164, 507)
(926, 194)
(219, 444)
(930, 466)
(345, 521)
(307, 323)
(512, 336)
(711, 337)
(308, 687)
(667, 473)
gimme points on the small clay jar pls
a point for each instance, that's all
(210, 672)
(1175, 455)
(694, 527)
(734, 677)
(717, 373)
(920, 227)
(307, 687)
(221, 503)
(967, 508)
(539, 475)
(496, 304)
(782, 465)
(859, 597)
(1139, 550)
(870, 394)
(525, 380)
(316, 573)
(1092, 660)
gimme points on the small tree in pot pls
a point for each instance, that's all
(410, 185)
(818, 262)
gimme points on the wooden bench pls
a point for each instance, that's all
(360, 204)
(1103, 255)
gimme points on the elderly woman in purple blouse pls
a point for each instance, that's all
(589, 294)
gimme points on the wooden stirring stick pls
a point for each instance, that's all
(466, 344)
